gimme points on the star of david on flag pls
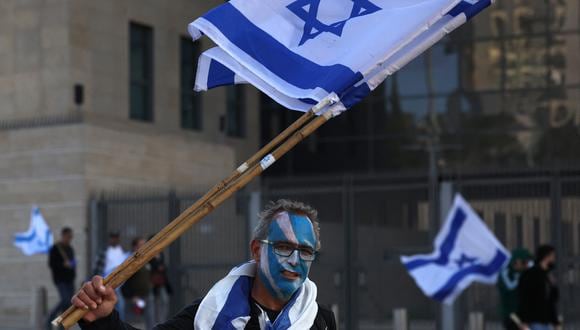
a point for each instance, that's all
(313, 27)
(465, 251)
(301, 52)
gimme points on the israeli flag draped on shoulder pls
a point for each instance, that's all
(38, 238)
(465, 251)
(301, 51)
(227, 305)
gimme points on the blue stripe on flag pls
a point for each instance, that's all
(445, 248)
(469, 9)
(283, 320)
(219, 75)
(233, 308)
(28, 238)
(278, 59)
(485, 270)
(355, 95)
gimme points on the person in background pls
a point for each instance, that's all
(508, 283)
(111, 257)
(538, 294)
(161, 288)
(137, 291)
(61, 260)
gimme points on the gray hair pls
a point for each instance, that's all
(283, 205)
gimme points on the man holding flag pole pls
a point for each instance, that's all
(321, 57)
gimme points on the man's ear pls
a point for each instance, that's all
(255, 250)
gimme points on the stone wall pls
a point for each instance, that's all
(59, 167)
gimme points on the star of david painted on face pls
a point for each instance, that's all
(307, 10)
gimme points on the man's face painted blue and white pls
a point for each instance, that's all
(282, 276)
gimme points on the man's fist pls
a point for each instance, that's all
(94, 297)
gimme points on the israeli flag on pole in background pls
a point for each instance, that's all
(465, 251)
(301, 51)
(38, 238)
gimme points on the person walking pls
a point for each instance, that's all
(62, 264)
(137, 292)
(109, 258)
(507, 283)
(161, 289)
(538, 293)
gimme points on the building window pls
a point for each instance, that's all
(141, 72)
(191, 112)
(236, 111)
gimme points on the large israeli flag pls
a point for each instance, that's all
(465, 251)
(301, 51)
(38, 238)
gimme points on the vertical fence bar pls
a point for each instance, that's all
(349, 273)
(400, 319)
(175, 260)
(94, 235)
(255, 199)
(556, 225)
(448, 312)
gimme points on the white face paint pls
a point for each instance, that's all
(283, 276)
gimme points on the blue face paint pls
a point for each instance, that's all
(282, 276)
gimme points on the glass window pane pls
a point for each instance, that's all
(411, 78)
(191, 112)
(141, 72)
(236, 111)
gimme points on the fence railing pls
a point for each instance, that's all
(366, 224)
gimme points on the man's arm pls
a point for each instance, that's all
(54, 259)
(99, 301)
(181, 321)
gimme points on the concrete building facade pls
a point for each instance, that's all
(57, 147)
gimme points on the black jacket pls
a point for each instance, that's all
(56, 262)
(537, 297)
(184, 320)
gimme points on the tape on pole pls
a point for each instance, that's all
(242, 168)
(267, 161)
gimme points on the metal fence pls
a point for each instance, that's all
(367, 222)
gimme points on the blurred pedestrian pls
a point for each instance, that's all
(538, 293)
(111, 257)
(61, 260)
(508, 283)
(161, 288)
(137, 291)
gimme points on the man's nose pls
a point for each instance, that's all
(294, 258)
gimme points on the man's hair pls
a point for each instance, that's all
(66, 230)
(543, 251)
(135, 241)
(283, 205)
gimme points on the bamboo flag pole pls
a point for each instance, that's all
(252, 160)
(297, 132)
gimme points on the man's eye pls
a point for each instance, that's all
(307, 252)
(283, 247)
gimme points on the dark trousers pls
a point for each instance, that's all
(510, 325)
(65, 292)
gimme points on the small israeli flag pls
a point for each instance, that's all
(465, 251)
(301, 51)
(38, 238)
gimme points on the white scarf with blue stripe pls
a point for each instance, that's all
(227, 305)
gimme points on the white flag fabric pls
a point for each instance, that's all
(300, 51)
(38, 238)
(465, 251)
